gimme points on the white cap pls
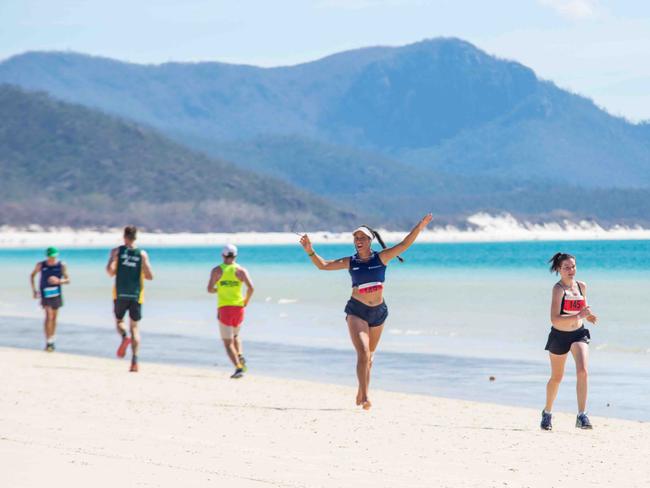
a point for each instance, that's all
(365, 230)
(229, 250)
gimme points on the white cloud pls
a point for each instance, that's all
(572, 9)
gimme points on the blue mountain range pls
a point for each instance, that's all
(383, 131)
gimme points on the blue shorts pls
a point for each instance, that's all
(375, 316)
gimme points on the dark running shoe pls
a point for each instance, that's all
(582, 422)
(50, 347)
(242, 361)
(546, 421)
(239, 373)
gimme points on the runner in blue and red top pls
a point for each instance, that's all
(53, 274)
(366, 310)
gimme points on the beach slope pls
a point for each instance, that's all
(80, 421)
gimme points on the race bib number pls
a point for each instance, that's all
(51, 292)
(370, 287)
(574, 305)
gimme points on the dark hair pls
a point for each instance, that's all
(557, 259)
(130, 232)
(380, 240)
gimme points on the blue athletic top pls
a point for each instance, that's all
(367, 272)
(47, 290)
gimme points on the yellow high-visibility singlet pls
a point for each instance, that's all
(229, 287)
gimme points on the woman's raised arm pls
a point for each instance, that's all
(319, 262)
(387, 254)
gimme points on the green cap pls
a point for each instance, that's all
(52, 252)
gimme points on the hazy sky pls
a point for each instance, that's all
(598, 48)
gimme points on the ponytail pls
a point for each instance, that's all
(556, 261)
(380, 240)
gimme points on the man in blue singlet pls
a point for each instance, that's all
(53, 274)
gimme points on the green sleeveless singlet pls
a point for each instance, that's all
(129, 282)
(229, 287)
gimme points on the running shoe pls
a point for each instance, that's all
(582, 422)
(50, 347)
(134, 368)
(546, 421)
(121, 351)
(239, 373)
(242, 361)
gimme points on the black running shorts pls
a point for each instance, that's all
(52, 302)
(121, 305)
(375, 316)
(559, 341)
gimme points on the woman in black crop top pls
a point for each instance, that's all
(568, 310)
(366, 310)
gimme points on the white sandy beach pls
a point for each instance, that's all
(79, 421)
(483, 228)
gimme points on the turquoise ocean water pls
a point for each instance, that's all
(459, 313)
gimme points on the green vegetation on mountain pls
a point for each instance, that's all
(63, 164)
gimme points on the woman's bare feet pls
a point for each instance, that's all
(359, 397)
(367, 404)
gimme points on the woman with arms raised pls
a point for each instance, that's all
(366, 310)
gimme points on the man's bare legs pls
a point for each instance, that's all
(231, 350)
(135, 342)
(49, 326)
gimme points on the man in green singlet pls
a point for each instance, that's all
(226, 281)
(131, 267)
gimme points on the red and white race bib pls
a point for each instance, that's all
(574, 305)
(371, 287)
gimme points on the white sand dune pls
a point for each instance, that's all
(86, 422)
(482, 228)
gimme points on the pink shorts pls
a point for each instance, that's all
(231, 316)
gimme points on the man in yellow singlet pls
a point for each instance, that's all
(226, 281)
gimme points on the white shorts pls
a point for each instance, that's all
(228, 332)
